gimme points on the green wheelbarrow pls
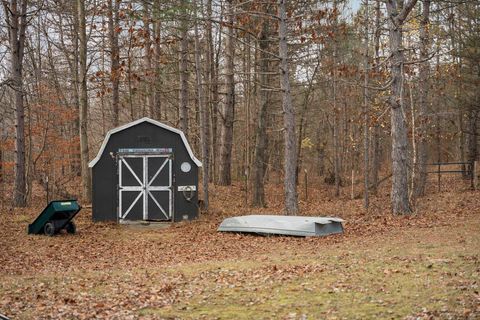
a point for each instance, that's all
(56, 216)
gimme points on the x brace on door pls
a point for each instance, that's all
(148, 188)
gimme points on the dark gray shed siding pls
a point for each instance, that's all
(142, 135)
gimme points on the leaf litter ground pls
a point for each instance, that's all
(423, 266)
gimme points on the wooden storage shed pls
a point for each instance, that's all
(145, 170)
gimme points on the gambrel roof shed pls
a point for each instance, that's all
(92, 163)
(145, 170)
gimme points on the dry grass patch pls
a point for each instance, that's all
(425, 265)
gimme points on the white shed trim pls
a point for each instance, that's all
(134, 123)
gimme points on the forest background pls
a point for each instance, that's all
(297, 93)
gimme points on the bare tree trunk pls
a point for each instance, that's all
(261, 138)
(2, 185)
(376, 127)
(183, 69)
(74, 66)
(247, 103)
(320, 148)
(86, 179)
(211, 79)
(157, 52)
(423, 100)
(16, 21)
(113, 30)
(366, 159)
(228, 114)
(290, 161)
(472, 142)
(104, 47)
(209, 54)
(457, 62)
(303, 121)
(2, 174)
(399, 195)
(461, 141)
(204, 116)
(215, 106)
(413, 175)
(336, 147)
(149, 73)
(130, 74)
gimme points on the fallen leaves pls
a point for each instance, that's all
(113, 271)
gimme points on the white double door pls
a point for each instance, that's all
(145, 187)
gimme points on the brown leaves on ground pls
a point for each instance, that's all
(114, 271)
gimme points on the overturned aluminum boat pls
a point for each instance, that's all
(283, 225)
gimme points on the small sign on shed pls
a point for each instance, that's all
(145, 170)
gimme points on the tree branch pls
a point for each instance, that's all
(406, 10)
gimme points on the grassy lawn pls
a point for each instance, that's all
(429, 273)
(420, 267)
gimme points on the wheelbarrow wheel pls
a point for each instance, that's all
(71, 228)
(49, 229)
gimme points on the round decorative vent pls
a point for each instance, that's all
(186, 167)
